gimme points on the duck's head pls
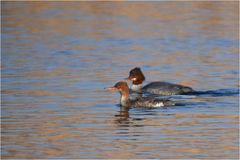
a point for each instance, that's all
(136, 76)
(121, 86)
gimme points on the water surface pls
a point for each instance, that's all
(57, 58)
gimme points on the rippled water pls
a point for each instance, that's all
(58, 57)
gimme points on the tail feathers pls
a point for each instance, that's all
(187, 90)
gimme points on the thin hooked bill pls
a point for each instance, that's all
(113, 89)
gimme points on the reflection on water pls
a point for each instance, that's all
(57, 58)
(122, 118)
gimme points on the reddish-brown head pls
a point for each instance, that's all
(121, 86)
(136, 76)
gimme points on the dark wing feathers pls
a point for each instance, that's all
(151, 102)
(165, 88)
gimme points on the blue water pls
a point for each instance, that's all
(57, 58)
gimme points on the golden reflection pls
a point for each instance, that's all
(76, 128)
(30, 93)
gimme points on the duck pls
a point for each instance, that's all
(158, 87)
(146, 102)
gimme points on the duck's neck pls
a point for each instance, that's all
(136, 87)
(124, 99)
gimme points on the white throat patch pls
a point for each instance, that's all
(123, 100)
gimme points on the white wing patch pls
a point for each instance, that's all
(160, 104)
